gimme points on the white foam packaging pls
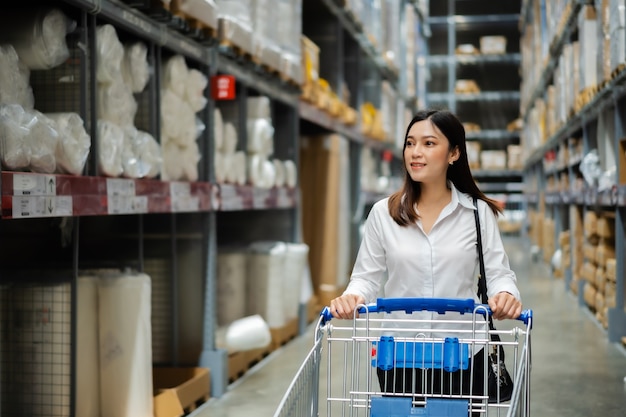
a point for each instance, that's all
(135, 69)
(110, 53)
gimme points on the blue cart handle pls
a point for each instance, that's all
(437, 305)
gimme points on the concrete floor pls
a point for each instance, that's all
(575, 371)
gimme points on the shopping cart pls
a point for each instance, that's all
(412, 357)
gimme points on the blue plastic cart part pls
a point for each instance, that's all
(449, 355)
(437, 305)
(402, 407)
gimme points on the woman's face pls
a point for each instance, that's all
(426, 154)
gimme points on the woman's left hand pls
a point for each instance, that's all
(505, 306)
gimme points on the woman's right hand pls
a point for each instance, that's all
(343, 307)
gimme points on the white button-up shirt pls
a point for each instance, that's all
(442, 264)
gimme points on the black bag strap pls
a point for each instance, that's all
(482, 279)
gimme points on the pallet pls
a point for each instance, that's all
(235, 51)
(188, 388)
(283, 335)
(190, 25)
(241, 362)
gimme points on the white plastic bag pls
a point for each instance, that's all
(74, 143)
(38, 35)
(135, 67)
(194, 91)
(116, 103)
(42, 138)
(110, 53)
(15, 153)
(110, 144)
(14, 79)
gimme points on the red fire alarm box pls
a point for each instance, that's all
(223, 87)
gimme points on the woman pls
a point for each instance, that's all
(421, 241)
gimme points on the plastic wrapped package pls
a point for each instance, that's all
(110, 53)
(74, 143)
(175, 75)
(172, 157)
(38, 36)
(194, 90)
(291, 173)
(219, 166)
(42, 138)
(135, 67)
(218, 129)
(116, 103)
(190, 156)
(260, 137)
(279, 169)
(15, 153)
(295, 264)
(230, 138)
(240, 167)
(258, 108)
(110, 144)
(261, 172)
(204, 11)
(141, 155)
(231, 285)
(178, 120)
(14, 79)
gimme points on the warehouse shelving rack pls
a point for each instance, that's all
(600, 125)
(70, 223)
(457, 22)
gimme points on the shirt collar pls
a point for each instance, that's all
(460, 198)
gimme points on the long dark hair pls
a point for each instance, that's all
(402, 202)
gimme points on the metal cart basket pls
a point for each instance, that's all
(412, 357)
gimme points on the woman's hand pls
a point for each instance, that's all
(504, 306)
(343, 307)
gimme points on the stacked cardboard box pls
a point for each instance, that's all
(320, 182)
(577, 234)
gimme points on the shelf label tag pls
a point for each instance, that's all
(120, 187)
(34, 184)
(42, 206)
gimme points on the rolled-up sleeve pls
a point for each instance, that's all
(370, 265)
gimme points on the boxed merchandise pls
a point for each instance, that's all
(473, 154)
(466, 87)
(515, 159)
(466, 49)
(310, 60)
(178, 390)
(493, 159)
(588, 38)
(492, 45)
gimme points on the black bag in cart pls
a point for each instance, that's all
(499, 379)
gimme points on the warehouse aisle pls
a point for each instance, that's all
(576, 372)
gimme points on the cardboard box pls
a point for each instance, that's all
(179, 389)
(622, 161)
(492, 45)
(320, 172)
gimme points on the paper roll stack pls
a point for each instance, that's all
(182, 96)
(296, 258)
(266, 277)
(125, 333)
(121, 71)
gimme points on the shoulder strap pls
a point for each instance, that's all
(482, 279)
